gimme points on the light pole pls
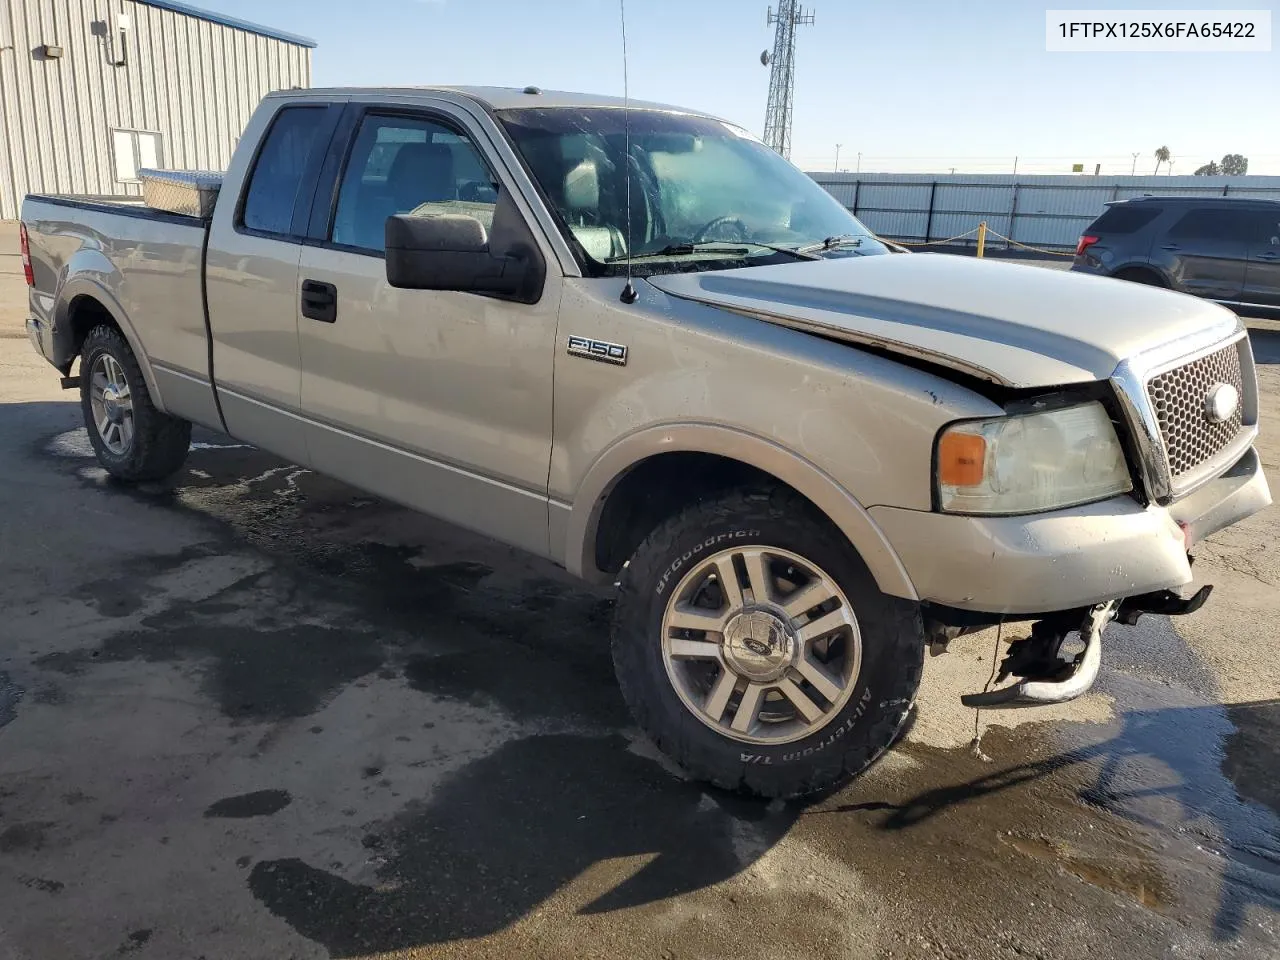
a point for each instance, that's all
(859, 168)
(1135, 165)
(838, 146)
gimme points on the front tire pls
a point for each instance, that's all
(133, 440)
(753, 646)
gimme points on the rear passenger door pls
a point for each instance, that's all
(1207, 248)
(437, 399)
(1262, 274)
(251, 271)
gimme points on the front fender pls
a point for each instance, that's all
(90, 274)
(833, 500)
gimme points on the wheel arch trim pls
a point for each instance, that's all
(839, 506)
(83, 287)
(1146, 265)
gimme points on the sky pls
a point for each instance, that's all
(911, 85)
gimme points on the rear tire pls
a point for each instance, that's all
(822, 704)
(132, 439)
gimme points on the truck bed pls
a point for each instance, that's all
(129, 206)
(145, 266)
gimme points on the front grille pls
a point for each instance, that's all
(1179, 397)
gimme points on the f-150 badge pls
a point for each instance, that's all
(600, 350)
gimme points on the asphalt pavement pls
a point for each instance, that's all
(254, 713)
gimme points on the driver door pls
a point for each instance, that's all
(438, 400)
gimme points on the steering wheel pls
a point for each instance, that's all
(738, 229)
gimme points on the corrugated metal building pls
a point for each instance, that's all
(93, 90)
(1042, 211)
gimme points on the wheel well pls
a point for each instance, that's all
(1140, 275)
(659, 487)
(83, 314)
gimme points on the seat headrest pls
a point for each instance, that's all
(421, 172)
(582, 187)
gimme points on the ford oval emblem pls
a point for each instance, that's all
(1221, 403)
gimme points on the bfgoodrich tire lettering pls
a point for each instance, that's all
(863, 720)
(156, 444)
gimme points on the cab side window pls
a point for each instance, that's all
(405, 165)
(279, 171)
(1212, 224)
(1267, 229)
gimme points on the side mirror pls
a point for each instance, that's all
(448, 252)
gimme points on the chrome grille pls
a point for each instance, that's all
(1178, 397)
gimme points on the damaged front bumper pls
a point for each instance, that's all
(1072, 571)
(1024, 567)
(1046, 676)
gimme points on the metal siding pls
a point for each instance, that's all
(894, 224)
(95, 156)
(892, 196)
(194, 81)
(54, 80)
(75, 92)
(1051, 210)
(220, 133)
(9, 192)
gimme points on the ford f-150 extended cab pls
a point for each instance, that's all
(634, 340)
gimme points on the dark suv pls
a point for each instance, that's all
(1222, 248)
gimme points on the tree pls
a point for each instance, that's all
(1232, 165)
(1162, 156)
(1235, 165)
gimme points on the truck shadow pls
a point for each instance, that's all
(512, 830)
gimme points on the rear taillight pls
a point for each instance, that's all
(26, 254)
(1084, 244)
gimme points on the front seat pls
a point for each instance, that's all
(582, 210)
(420, 173)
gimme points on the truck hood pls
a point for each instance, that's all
(1017, 325)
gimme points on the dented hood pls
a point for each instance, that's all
(1018, 325)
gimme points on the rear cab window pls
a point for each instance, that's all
(1124, 218)
(285, 163)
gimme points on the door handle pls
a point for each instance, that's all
(1269, 255)
(319, 301)
(1170, 246)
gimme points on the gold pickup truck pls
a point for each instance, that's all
(635, 341)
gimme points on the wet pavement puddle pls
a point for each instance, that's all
(1164, 820)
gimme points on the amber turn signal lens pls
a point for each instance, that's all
(961, 459)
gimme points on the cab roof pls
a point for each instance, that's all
(495, 98)
(1198, 198)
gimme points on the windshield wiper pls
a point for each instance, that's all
(831, 243)
(685, 249)
(680, 250)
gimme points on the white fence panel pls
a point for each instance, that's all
(1041, 211)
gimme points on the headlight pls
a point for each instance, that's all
(1030, 463)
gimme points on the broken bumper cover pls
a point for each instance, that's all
(1067, 559)
(1073, 682)
(1046, 677)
